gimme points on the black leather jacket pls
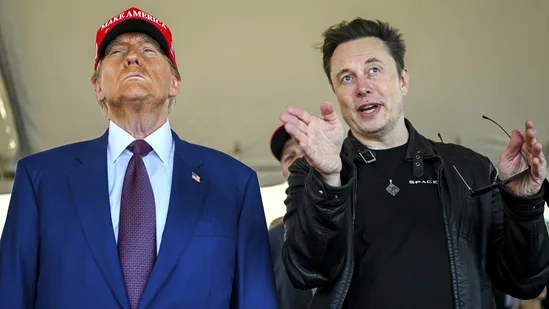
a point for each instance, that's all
(494, 239)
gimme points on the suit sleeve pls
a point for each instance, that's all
(19, 245)
(254, 285)
(518, 256)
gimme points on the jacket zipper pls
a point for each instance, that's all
(449, 240)
(349, 273)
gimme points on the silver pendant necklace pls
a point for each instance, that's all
(392, 189)
(371, 158)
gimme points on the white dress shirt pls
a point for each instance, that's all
(159, 164)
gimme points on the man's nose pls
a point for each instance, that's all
(132, 58)
(364, 86)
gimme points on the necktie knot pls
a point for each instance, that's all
(140, 147)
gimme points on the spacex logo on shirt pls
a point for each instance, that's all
(422, 182)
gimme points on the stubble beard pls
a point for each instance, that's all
(386, 128)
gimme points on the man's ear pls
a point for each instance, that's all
(98, 89)
(174, 88)
(404, 80)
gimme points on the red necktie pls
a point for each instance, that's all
(137, 226)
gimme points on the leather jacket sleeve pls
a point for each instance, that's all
(518, 252)
(316, 222)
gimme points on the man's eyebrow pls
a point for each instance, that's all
(118, 40)
(147, 39)
(372, 60)
(113, 43)
(346, 70)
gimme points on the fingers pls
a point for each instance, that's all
(538, 163)
(285, 117)
(297, 130)
(294, 126)
(299, 113)
(297, 133)
(542, 158)
(529, 135)
(533, 150)
(528, 125)
(514, 146)
(296, 121)
(327, 111)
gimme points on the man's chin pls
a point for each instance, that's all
(135, 95)
(374, 130)
(372, 125)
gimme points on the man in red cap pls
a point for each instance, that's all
(286, 151)
(137, 218)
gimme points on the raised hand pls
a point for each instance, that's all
(511, 162)
(320, 139)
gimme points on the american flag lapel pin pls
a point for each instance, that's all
(196, 177)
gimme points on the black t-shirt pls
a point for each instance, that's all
(401, 255)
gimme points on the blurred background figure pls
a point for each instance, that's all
(276, 222)
(504, 301)
(285, 150)
(535, 303)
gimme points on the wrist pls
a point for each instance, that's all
(522, 191)
(333, 176)
(332, 179)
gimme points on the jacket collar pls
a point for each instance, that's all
(417, 145)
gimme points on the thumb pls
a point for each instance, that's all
(515, 145)
(327, 111)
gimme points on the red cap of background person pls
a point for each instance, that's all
(278, 140)
(133, 20)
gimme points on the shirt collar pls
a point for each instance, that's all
(160, 140)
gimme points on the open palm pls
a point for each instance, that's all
(320, 139)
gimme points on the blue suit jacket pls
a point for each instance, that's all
(58, 248)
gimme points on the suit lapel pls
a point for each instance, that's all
(186, 203)
(89, 188)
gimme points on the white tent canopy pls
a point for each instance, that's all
(243, 61)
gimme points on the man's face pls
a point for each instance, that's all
(368, 87)
(134, 69)
(290, 153)
(543, 294)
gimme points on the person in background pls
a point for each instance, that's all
(286, 151)
(545, 301)
(387, 218)
(276, 222)
(504, 301)
(535, 303)
(137, 218)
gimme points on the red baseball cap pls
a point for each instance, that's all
(278, 140)
(133, 20)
